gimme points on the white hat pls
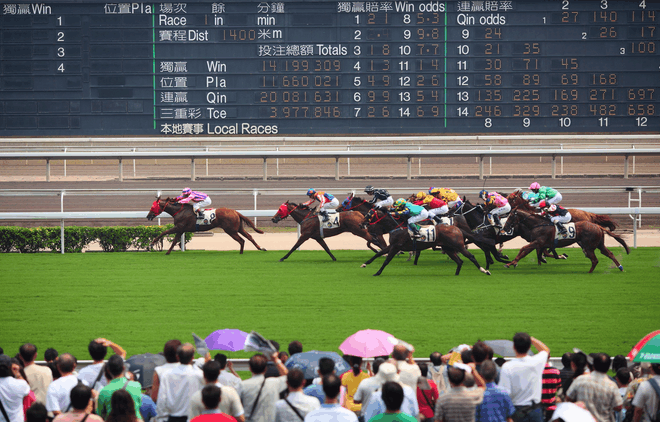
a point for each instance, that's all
(387, 372)
(571, 412)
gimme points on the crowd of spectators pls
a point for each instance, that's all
(464, 385)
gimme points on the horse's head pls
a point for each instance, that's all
(283, 212)
(346, 204)
(156, 209)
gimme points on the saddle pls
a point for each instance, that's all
(426, 234)
(209, 216)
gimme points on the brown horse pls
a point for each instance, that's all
(310, 227)
(355, 203)
(517, 201)
(185, 220)
(449, 238)
(540, 232)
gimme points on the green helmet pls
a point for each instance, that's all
(400, 203)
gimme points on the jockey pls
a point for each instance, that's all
(415, 213)
(327, 202)
(382, 197)
(448, 195)
(500, 203)
(198, 200)
(544, 192)
(557, 214)
(436, 207)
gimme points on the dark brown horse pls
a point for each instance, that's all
(185, 220)
(517, 201)
(449, 238)
(310, 227)
(540, 232)
(355, 203)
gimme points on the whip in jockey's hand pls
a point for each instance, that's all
(196, 199)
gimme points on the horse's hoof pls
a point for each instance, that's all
(263, 249)
(505, 256)
(564, 256)
(506, 265)
(363, 266)
(487, 272)
(281, 259)
(376, 275)
(620, 267)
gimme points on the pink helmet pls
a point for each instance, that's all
(535, 185)
(186, 191)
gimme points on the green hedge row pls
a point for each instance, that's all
(76, 239)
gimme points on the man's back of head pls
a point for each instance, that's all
(456, 376)
(66, 363)
(80, 396)
(295, 347)
(488, 370)
(221, 359)
(522, 343)
(257, 364)
(211, 371)
(115, 366)
(331, 386)
(436, 358)
(400, 352)
(392, 393)
(602, 362)
(50, 354)
(655, 367)
(97, 350)
(295, 379)
(28, 352)
(170, 351)
(566, 360)
(211, 396)
(326, 366)
(479, 352)
(186, 352)
(36, 413)
(376, 365)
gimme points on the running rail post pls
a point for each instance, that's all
(554, 166)
(255, 192)
(47, 169)
(336, 168)
(481, 167)
(62, 221)
(625, 166)
(121, 170)
(192, 169)
(265, 169)
(409, 175)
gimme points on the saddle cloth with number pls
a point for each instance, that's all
(427, 233)
(570, 232)
(209, 216)
(332, 223)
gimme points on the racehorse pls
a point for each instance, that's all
(185, 220)
(517, 201)
(310, 227)
(449, 238)
(540, 232)
(355, 203)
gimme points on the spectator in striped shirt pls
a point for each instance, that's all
(550, 382)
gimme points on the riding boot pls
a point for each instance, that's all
(497, 222)
(200, 213)
(325, 215)
(490, 220)
(415, 229)
(562, 229)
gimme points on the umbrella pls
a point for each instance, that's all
(200, 345)
(229, 339)
(142, 366)
(503, 348)
(648, 349)
(369, 344)
(308, 362)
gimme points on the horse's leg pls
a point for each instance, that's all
(463, 250)
(177, 239)
(247, 235)
(524, 251)
(325, 247)
(163, 234)
(603, 249)
(592, 256)
(378, 254)
(393, 251)
(374, 250)
(234, 235)
(417, 253)
(302, 239)
(457, 259)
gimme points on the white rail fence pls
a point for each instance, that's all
(478, 152)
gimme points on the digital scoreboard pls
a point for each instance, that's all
(91, 68)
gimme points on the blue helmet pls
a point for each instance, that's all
(311, 192)
(483, 194)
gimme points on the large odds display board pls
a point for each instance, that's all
(93, 68)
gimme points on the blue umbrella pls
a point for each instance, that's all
(308, 362)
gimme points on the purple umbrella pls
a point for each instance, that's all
(227, 339)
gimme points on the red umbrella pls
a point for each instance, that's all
(641, 344)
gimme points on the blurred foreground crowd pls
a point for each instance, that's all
(465, 385)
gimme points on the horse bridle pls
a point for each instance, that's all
(364, 201)
(170, 202)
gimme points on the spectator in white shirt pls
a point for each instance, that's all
(227, 375)
(12, 392)
(296, 405)
(178, 385)
(57, 397)
(91, 375)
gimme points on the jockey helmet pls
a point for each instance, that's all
(186, 191)
(311, 192)
(400, 203)
(421, 195)
(543, 204)
(483, 194)
(535, 185)
(552, 207)
(369, 189)
(432, 190)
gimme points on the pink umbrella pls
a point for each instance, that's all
(228, 339)
(369, 344)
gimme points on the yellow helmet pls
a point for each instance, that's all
(428, 199)
(421, 194)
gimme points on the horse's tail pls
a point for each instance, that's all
(249, 222)
(604, 221)
(618, 239)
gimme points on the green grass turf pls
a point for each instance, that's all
(141, 300)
